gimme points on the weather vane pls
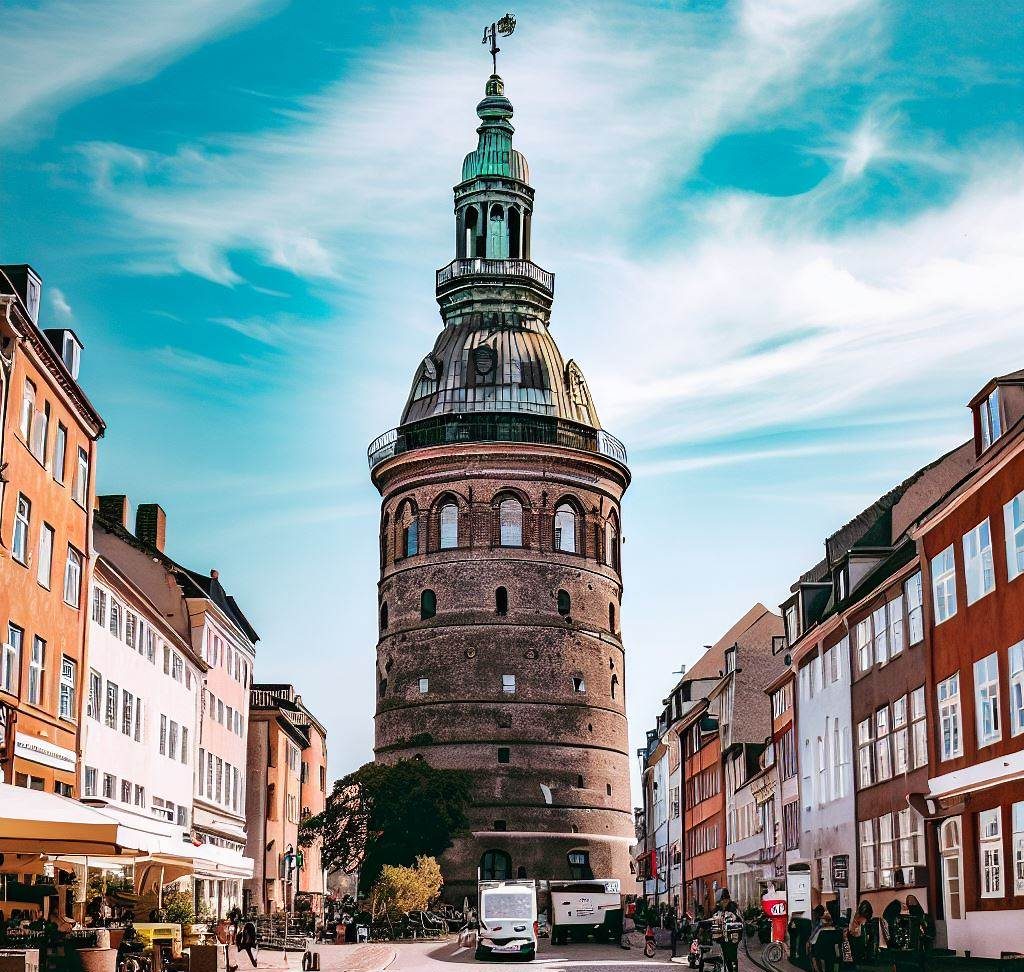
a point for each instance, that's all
(505, 26)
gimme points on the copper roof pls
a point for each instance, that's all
(511, 365)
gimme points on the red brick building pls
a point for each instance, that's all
(972, 552)
(500, 645)
(48, 434)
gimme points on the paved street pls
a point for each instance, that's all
(438, 956)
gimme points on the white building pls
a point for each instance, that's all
(823, 732)
(142, 707)
(213, 635)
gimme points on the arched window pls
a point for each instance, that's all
(449, 526)
(407, 533)
(384, 616)
(428, 605)
(510, 522)
(579, 865)
(611, 543)
(514, 234)
(615, 686)
(501, 601)
(495, 865)
(382, 688)
(497, 213)
(564, 603)
(473, 241)
(521, 872)
(385, 527)
(565, 528)
(611, 617)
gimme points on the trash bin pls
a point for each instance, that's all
(362, 933)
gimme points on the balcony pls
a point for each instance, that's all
(495, 427)
(512, 269)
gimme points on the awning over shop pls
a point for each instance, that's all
(36, 822)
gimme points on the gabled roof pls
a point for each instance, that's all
(712, 663)
(189, 583)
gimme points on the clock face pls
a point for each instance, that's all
(429, 368)
(484, 359)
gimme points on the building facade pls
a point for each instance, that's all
(971, 546)
(287, 781)
(48, 436)
(500, 646)
(143, 688)
(204, 616)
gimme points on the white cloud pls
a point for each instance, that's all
(60, 51)
(759, 316)
(60, 303)
(606, 105)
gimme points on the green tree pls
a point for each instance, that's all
(389, 815)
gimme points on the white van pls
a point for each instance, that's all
(583, 908)
(507, 913)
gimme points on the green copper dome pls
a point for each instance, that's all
(494, 155)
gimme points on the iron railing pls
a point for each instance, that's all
(494, 427)
(479, 267)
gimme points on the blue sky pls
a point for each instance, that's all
(787, 235)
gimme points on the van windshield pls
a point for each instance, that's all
(512, 905)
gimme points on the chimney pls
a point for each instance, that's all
(114, 508)
(151, 525)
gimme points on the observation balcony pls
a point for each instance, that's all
(495, 427)
(512, 270)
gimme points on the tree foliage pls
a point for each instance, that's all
(389, 815)
(407, 888)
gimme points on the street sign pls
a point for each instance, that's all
(840, 871)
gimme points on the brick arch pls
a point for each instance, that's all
(521, 497)
(464, 522)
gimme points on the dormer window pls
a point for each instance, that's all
(989, 419)
(792, 624)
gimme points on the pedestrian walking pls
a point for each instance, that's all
(246, 941)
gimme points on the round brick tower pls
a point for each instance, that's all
(500, 650)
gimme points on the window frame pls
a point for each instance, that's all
(80, 487)
(913, 593)
(36, 671)
(986, 700)
(60, 453)
(1015, 689)
(73, 566)
(448, 526)
(1013, 536)
(949, 709)
(68, 693)
(991, 877)
(22, 530)
(943, 568)
(980, 566)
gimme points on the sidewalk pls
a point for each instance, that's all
(373, 957)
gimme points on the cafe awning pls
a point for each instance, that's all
(36, 822)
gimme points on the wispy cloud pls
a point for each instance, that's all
(360, 164)
(60, 303)
(59, 51)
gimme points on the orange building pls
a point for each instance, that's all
(287, 781)
(48, 433)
